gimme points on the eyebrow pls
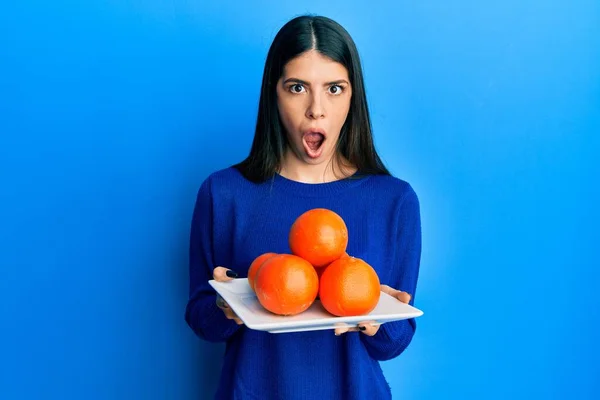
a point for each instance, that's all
(296, 80)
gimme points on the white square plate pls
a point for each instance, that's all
(242, 300)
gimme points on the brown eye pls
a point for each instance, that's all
(297, 88)
(336, 89)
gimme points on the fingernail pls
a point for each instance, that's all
(231, 274)
(362, 328)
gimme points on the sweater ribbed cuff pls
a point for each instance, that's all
(210, 322)
(390, 340)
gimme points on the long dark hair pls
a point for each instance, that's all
(355, 143)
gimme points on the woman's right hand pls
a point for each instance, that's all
(222, 274)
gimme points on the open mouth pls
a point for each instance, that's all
(313, 143)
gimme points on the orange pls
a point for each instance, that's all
(320, 236)
(256, 264)
(286, 284)
(321, 269)
(349, 287)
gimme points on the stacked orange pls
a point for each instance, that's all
(318, 266)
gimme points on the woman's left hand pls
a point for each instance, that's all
(371, 327)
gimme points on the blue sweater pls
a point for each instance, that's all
(235, 220)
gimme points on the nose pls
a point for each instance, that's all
(315, 109)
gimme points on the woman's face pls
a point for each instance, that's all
(313, 97)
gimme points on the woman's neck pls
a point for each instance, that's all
(327, 171)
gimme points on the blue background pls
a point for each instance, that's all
(113, 112)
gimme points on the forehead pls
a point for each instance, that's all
(312, 66)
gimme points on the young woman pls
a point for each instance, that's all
(312, 148)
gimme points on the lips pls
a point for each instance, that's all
(314, 140)
(313, 143)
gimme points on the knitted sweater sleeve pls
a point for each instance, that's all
(393, 338)
(202, 314)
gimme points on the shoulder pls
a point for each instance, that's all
(225, 176)
(402, 201)
(224, 182)
(394, 187)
